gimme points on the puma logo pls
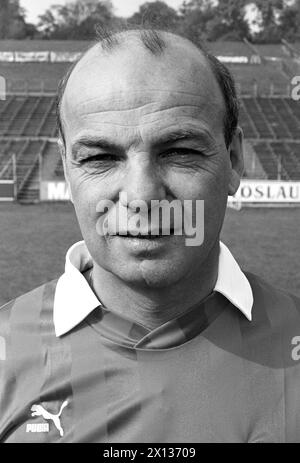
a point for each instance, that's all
(38, 410)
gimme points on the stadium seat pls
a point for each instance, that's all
(268, 160)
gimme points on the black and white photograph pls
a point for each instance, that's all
(149, 224)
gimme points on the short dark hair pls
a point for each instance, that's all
(153, 40)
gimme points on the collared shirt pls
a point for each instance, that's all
(75, 300)
(208, 375)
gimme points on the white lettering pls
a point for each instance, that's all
(37, 427)
(295, 95)
(58, 191)
(296, 350)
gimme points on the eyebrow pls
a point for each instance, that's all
(96, 141)
(186, 134)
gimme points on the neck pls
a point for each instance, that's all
(152, 307)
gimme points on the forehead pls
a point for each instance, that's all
(130, 86)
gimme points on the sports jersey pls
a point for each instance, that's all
(227, 370)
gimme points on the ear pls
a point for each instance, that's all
(236, 153)
(62, 150)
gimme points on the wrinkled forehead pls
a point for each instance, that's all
(130, 76)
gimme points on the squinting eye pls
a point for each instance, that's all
(99, 157)
(179, 152)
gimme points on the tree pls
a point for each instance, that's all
(203, 19)
(76, 20)
(195, 16)
(229, 18)
(290, 22)
(31, 31)
(158, 14)
(12, 20)
(270, 13)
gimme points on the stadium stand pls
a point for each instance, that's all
(31, 116)
(37, 118)
(267, 159)
(38, 77)
(294, 149)
(59, 171)
(286, 159)
(51, 159)
(28, 116)
(48, 126)
(271, 124)
(260, 79)
(269, 117)
(258, 118)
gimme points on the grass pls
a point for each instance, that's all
(267, 242)
(34, 239)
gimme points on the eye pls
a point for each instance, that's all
(99, 158)
(181, 152)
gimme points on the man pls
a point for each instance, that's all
(148, 337)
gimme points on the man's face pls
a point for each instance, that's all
(151, 128)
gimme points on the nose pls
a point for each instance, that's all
(143, 180)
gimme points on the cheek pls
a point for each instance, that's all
(211, 185)
(87, 186)
(210, 182)
(87, 191)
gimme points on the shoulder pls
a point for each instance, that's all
(27, 308)
(274, 300)
(24, 322)
(274, 331)
(26, 325)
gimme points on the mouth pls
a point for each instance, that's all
(147, 236)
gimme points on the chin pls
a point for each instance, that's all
(152, 273)
(161, 269)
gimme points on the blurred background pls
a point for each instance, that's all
(258, 40)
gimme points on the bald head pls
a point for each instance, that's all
(149, 57)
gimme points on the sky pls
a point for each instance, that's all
(122, 7)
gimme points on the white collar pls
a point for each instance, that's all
(74, 300)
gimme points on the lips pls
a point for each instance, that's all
(147, 235)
